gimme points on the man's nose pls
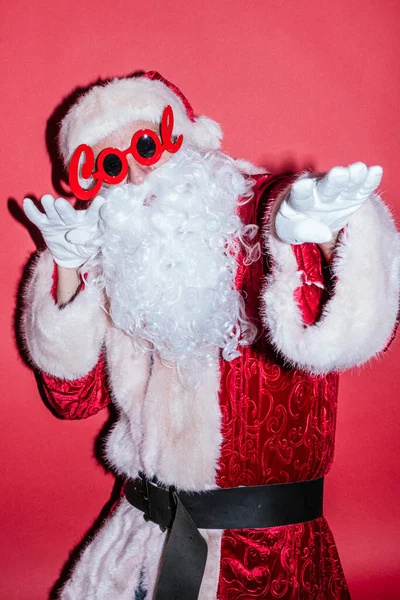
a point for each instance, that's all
(137, 173)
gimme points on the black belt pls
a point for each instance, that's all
(184, 513)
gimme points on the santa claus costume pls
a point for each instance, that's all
(220, 346)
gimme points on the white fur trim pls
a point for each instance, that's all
(106, 108)
(126, 546)
(207, 134)
(165, 430)
(209, 584)
(358, 320)
(128, 376)
(248, 168)
(63, 342)
(110, 565)
(181, 429)
(152, 562)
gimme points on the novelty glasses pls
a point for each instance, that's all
(111, 165)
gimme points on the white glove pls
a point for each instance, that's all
(68, 233)
(317, 208)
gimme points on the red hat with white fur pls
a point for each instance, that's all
(106, 108)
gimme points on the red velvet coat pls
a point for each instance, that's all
(278, 425)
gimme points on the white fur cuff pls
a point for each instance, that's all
(358, 320)
(65, 342)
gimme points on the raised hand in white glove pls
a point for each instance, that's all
(68, 233)
(317, 208)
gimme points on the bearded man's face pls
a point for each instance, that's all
(169, 241)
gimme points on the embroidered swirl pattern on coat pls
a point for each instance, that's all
(278, 425)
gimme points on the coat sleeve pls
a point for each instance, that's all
(65, 344)
(78, 398)
(322, 330)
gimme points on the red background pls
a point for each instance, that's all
(295, 82)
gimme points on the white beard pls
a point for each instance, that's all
(168, 260)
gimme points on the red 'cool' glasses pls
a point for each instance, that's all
(111, 165)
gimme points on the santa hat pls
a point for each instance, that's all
(106, 108)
